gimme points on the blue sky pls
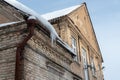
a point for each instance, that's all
(105, 16)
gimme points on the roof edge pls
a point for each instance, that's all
(93, 30)
(59, 13)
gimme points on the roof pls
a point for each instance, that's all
(60, 13)
(27, 11)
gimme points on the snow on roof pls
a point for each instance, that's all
(31, 12)
(59, 13)
(41, 20)
(32, 17)
(9, 23)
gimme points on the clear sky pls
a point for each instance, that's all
(105, 16)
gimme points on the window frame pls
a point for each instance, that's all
(93, 66)
(74, 47)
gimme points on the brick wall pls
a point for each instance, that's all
(44, 62)
(41, 61)
(9, 37)
(8, 13)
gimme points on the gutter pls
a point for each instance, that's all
(20, 48)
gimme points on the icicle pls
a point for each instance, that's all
(53, 39)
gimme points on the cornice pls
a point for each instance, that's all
(55, 52)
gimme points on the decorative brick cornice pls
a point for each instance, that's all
(41, 47)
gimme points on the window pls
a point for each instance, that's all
(74, 44)
(93, 66)
(74, 47)
(84, 57)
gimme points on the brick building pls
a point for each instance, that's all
(28, 52)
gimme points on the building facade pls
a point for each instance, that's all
(27, 51)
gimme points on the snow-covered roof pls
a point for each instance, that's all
(31, 12)
(59, 13)
(31, 17)
(41, 20)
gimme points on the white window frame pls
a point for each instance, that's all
(84, 57)
(74, 47)
(93, 67)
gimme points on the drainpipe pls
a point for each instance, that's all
(20, 48)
